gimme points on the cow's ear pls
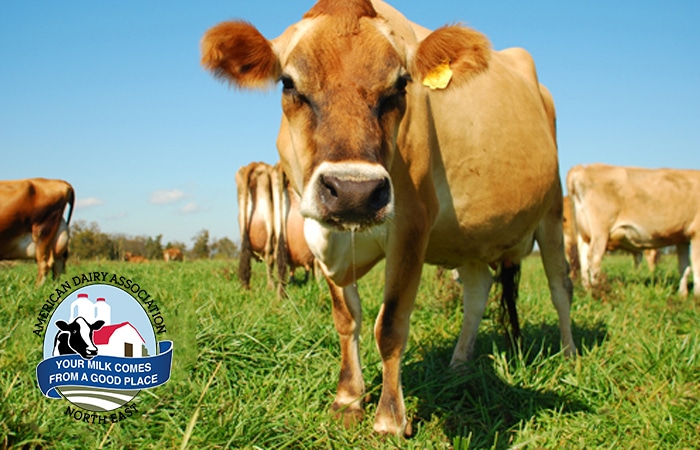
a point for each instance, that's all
(451, 54)
(97, 325)
(237, 52)
(61, 325)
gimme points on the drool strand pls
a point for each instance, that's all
(352, 244)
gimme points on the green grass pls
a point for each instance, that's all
(254, 371)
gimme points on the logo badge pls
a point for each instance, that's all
(100, 350)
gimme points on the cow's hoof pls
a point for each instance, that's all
(350, 414)
(570, 352)
(390, 427)
(458, 365)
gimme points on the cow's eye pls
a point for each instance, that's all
(287, 83)
(290, 89)
(401, 83)
(395, 98)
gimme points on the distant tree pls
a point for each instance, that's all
(134, 245)
(154, 248)
(201, 248)
(224, 248)
(88, 242)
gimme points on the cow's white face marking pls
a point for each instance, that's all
(85, 334)
(284, 44)
(332, 249)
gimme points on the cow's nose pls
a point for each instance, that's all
(353, 201)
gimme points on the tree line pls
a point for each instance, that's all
(89, 242)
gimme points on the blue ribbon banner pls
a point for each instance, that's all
(110, 372)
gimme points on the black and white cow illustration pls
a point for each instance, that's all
(76, 338)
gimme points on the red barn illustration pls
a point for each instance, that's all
(121, 340)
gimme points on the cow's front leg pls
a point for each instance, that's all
(584, 263)
(391, 333)
(598, 246)
(347, 316)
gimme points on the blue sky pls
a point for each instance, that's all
(110, 96)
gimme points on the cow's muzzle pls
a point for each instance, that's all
(349, 195)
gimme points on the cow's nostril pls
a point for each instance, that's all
(331, 185)
(381, 194)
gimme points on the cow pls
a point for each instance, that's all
(130, 257)
(76, 338)
(635, 209)
(652, 255)
(413, 146)
(256, 220)
(172, 254)
(291, 249)
(32, 224)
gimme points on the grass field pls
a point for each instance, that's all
(253, 371)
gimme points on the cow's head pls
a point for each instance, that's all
(79, 335)
(347, 72)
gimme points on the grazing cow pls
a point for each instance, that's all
(635, 209)
(409, 145)
(290, 244)
(256, 219)
(76, 338)
(128, 256)
(651, 256)
(32, 224)
(172, 254)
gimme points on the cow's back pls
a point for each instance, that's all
(637, 207)
(494, 163)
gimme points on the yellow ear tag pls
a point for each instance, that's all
(439, 77)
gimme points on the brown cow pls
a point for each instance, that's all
(172, 254)
(32, 224)
(129, 257)
(256, 219)
(635, 209)
(652, 256)
(409, 145)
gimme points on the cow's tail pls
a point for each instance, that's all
(282, 263)
(280, 217)
(245, 256)
(509, 278)
(70, 200)
(244, 267)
